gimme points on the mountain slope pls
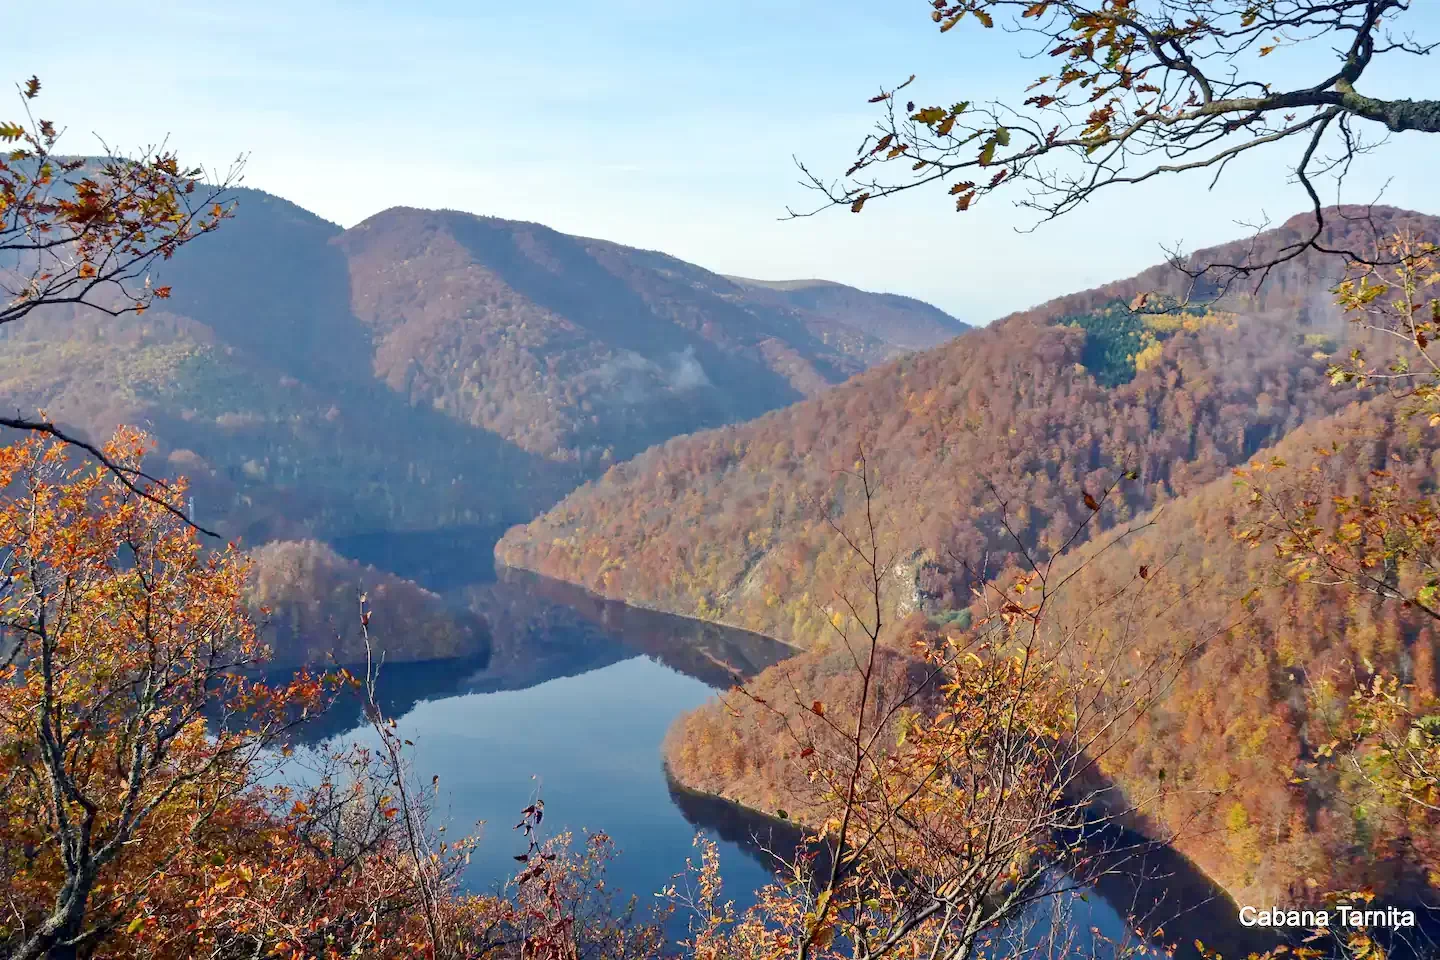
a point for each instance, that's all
(902, 321)
(422, 370)
(1227, 762)
(730, 523)
(586, 351)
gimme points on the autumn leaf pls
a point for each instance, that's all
(1091, 502)
(817, 708)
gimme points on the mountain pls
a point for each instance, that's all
(987, 447)
(901, 321)
(588, 352)
(1225, 761)
(254, 378)
(425, 369)
(1033, 411)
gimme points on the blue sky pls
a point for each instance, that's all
(665, 124)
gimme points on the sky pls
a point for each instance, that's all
(671, 125)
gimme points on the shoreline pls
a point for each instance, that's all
(1213, 892)
(501, 566)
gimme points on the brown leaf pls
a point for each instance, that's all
(1091, 502)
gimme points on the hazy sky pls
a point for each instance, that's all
(665, 124)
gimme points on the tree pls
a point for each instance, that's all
(963, 811)
(1380, 539)
(148, 798)
(120, 639)
(1138, 90)
(82, 232)
(1385, 538)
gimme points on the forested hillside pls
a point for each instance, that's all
(306, 599)
(1227, 755)
(426, 369)
(254, 379)
(587, 352)
(1037, 409)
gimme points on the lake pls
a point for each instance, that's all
(572, 703)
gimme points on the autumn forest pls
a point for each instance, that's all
(1077, 631)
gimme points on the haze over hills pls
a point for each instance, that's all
(901, 321)
(426, 368)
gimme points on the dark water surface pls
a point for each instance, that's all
(572, 702)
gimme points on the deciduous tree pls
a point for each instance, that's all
(1133, 90)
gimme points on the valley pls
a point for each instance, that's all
(550, 462)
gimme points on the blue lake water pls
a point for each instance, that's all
(572, 703)
(590, 746)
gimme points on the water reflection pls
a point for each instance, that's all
(541, 630)
(573, 700)
(1152, 885)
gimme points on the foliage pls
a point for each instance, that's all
(728, 523)
(146, 810)
(1119, 341)
(78, 232)
(121, 637)
(1134, 90)
(957, 799)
